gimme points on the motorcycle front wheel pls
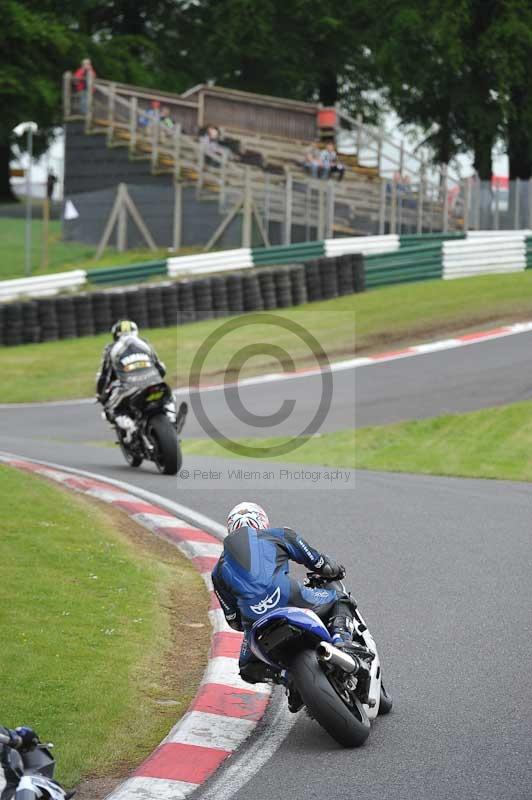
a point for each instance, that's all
(167, 452)
(338, 711)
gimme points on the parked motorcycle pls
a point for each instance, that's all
(148, 426)
(35, 770)
(333, 685)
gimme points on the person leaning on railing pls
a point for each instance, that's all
(81, 78)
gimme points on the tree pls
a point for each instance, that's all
(33, 46)
(306, 51)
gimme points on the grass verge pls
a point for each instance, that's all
(492, 443)
(361, 323)
(98, 653)
(62, 255)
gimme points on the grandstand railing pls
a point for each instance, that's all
(361, 204)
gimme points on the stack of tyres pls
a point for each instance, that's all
(101, 312)
(344, 273)
(83, 314)
(235, 294)
(31, 330)
(13, 327)
(154, 302)
(298, 284)
(48, 320)
(185, 300)
(267, 289)
(251, 292)
(66, 317)
(137, 309)
(313, 280)
(203, 299)
(170, 307)
(283, 287)
(359, 272)
(118, 305)
(329, 278)
(220, 301)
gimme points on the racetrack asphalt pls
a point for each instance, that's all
(441, 569)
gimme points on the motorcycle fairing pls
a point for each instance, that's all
(302, 618)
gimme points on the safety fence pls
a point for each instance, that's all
(181, 301)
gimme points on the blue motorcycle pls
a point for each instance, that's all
(341, 691)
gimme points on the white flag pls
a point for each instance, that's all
(71, 211)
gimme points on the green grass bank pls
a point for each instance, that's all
(492, 443)
(93, 644)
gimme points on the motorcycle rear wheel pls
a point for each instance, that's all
(167, 455)
(343, 719)
(132, 459)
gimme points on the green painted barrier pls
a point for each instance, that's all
(127, 274)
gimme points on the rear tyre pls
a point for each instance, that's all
(386, 702)
(132, 459)
(342, 716)
(167, 452)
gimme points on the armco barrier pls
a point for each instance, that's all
(128, 274)
(481, 255)
(416, 263)
(220, 261)
(42, 285)
(367, 245)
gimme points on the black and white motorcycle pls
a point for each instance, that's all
(35, 770)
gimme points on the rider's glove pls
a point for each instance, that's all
(332, 571)
(28, 736)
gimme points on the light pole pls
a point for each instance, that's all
(29, 128)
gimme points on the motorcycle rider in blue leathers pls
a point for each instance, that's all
(22, 738)
(252, 577)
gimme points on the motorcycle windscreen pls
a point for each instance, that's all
(40, 760)
(268, 633)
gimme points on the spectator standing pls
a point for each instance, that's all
(330, 162)
(312, 162)
(150, 114)
(84, 75)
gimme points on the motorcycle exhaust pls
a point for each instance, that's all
(328, 652)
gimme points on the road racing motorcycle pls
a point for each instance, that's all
(147, 427)
(35, 770)
(333, 685)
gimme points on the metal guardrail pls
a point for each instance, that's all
(128, 273)
(42, 285)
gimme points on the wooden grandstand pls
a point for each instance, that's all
(265, 140)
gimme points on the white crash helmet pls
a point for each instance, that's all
(247, 514)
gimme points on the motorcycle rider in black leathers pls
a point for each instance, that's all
(252, 576)
(127, 362)
(22, 738)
